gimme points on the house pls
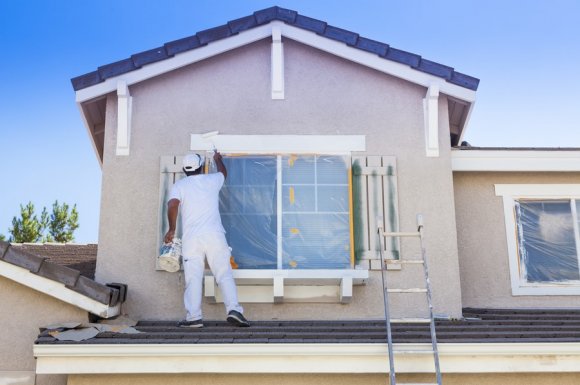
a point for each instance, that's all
(328, 136)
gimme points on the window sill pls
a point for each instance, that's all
(547, 289)
(277, 286)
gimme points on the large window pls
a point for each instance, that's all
(288, 211)
(542, 225)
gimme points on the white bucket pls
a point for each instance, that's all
(170, 256)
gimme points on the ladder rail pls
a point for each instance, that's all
(393, 380)
(435, 350)
(430, 302)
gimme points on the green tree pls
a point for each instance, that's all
(28, 228)
(2, 237)
(62, 223)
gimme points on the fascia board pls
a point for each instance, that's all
(56, 290)
(306, 37)
(90, 133)
(509, 161)
(371, 60)
(304, 358)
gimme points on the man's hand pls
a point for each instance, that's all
(169, 236)
(217, 157)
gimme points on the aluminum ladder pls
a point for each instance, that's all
(427, 290)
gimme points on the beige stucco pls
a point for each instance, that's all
(24, 312)
(231, 93)
(485, 280)
(329, 379)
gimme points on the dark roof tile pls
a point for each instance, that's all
(182, 45)
(22, 258)
(403, 57)
(436, 69)
(262, 17)
(94, 290)
(310, 24)
(117, 68)
(59, 273)
(86, 80)
(342, 35)
(275, 13)
(463, 80)
(372, 46)
(150, 56)
(3, 248)
(213, 34)
(242, 24)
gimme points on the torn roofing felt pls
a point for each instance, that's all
(69, 277)
(266, 16)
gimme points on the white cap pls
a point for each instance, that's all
(192, 162)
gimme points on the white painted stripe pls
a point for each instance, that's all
(494, 160)
(281, 144)
(305, 358)
(56, 290)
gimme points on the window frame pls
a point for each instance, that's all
(548, 192)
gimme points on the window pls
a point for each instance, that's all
(288, 211)
(542, 225)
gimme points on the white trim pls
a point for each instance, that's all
(176, 62)
(305, 358)
(277, 286)
(57, 290)
(280, 144)
(431, 117)
(277, 64)
(124, 107)
(520, 160)
(8, 377)
(511, 192)
(340, 49)
(91, 134)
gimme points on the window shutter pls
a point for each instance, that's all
(170, 167)
(374, 197)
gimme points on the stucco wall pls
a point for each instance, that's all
(231, 93)
(24, 311)
(483, 261)
(330, 379)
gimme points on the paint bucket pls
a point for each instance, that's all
(170, 256)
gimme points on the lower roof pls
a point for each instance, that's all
(484, 341)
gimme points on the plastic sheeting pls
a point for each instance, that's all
(547, 241)
(314, 210)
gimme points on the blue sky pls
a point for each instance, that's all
(525, 53)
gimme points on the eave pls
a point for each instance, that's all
(305, 358)
(515, 160)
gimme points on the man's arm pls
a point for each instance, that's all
(172, 211)
(217, 157)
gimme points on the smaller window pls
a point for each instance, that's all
(542, 228)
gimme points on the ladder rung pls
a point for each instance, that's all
(400, 234)
(417, 383)
(406, 262)
(410, 320)
(413, 351)
(413, 290)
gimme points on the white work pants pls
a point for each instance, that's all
(214, 247)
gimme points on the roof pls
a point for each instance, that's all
(477, 326)
(290, 17)
(81, 257)
(27, 265)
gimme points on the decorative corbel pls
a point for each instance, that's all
(431, 111)
(124, 102)
(277, 64)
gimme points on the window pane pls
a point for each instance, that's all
(546, 241)
(316, 241)
(298, 169)
(298, 198)
(333, 199)
(248, 210)
(331, 170)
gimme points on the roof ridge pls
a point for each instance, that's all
(265, 16)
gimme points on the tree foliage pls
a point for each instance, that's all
(2, 237)
(58, 227)
(62, 223)
(28, 228)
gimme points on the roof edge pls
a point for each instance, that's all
(265, 16)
